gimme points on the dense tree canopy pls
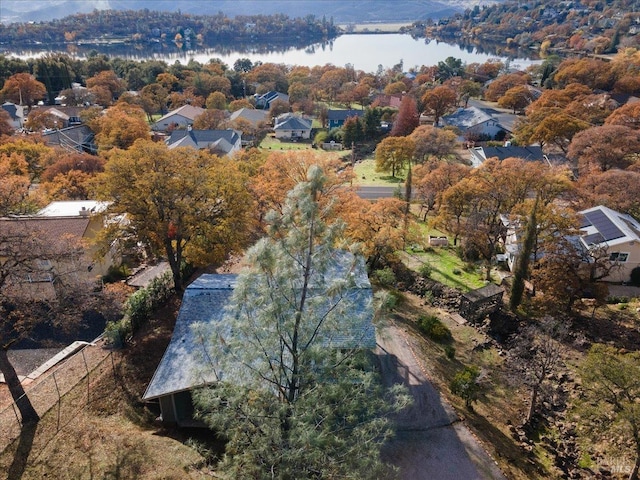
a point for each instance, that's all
(184, 205)
(22, 88)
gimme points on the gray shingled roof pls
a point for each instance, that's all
(223, 140)
(293, 123)
(466, 118)
(250, 114)
(184, 366)
(343, 114)
(532, 152)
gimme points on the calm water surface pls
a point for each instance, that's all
(364, 51)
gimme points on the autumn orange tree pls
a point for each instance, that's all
(430, 184)
(611, 189)
(627, 115)
(182, 204)
(6, 125)
(379, 227)
(14, 184)
(35, 153)
(591, 72)
(433, 143)
(281, 171)
(107, 81)
(438, 101)
(551, 126)
(504, 83)
(393, 154)
(516, 98)
(153, 98)
(210, 119)
(70, 176)
(119, 127)
(23, 88)
(605, 147)
(41, 119)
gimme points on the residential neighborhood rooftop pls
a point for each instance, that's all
(601, 224)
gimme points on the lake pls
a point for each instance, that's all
(364, 51)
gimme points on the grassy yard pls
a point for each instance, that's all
(446, 267)
(272, 143)
(366, 175)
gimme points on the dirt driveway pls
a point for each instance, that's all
(431, 442)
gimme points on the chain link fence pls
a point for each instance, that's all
(56, 391)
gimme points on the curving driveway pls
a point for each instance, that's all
(431, 442)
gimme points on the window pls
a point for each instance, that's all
(618, 257)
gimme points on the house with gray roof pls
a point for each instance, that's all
(16, 113)
(251, 115)
(473, 121)
(78, 138)
(265, 100)
(532, 153)
(187, 363)
(258, 119)
(289, 126)
(179, 118)
(221, 142)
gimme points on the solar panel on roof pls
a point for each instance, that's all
(592, 239)
(584, 221)
(604, 225)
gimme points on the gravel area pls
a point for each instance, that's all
(431, 442)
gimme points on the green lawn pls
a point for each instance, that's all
(366, 175)
(446, 267)
(272, 143)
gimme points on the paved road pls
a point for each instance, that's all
(431, 442)
(374, 193)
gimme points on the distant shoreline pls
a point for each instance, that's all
(348, 28)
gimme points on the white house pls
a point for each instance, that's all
(292, 127)
(619, 233)
(474, 121)
(616, 233)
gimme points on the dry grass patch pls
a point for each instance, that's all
(113, 435)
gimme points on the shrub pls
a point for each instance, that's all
(465, 385)
(433, 328)
(117, 332)
(450, 352)
(140, 305)
(425, 270)
(635, 276)
(386, 277)
(115, 274)
(388, 300)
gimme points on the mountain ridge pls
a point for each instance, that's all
(342, 11)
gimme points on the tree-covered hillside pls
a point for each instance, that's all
(594, 26)
(356, 11)
(145, 26)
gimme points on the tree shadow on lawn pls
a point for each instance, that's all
(390, 179)
(454, 280)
